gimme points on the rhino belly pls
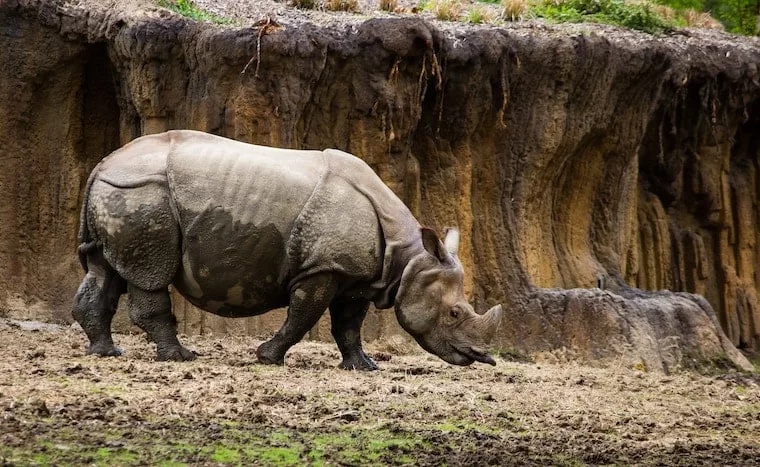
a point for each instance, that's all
(236, 205)
(232, 269)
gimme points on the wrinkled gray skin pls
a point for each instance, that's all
(240, 230)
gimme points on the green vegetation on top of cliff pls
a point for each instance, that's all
(189, 9)
(737, 16)
(650, 16)
(653, 16)
(639, 16)
(644, 16)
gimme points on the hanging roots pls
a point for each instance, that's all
(504, 81)
(435, 70)
(266, 26)
(393, 74)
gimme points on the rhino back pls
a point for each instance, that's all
(236, 207)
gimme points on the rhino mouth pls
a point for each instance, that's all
(475, 354)
(457, 354)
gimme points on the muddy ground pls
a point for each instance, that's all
(58, 406)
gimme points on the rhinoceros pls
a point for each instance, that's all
(240, 230)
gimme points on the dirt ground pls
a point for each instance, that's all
(58, 406)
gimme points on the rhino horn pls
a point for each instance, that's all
(489, 322)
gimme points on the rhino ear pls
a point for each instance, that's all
(432, 244)
(451, 240)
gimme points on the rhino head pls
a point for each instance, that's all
(431, 306)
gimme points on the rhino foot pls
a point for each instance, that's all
(269, 355)
(105, 350)
(359, 362)
(175, 353)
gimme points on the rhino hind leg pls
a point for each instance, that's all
(346, 321)
(152, 312)
(95, 304)
(308, 301)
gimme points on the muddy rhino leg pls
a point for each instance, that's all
(152, 312)
(308, 301)
(347, 317)
(95, 304)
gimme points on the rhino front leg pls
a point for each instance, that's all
(152, 312)
(308, 301)
(347, 317)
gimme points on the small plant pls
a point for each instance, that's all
(190, 10)
(641, 366)
(342, 5)
(304, 4)
(389, 5)
(478, 14)
(447, 10)
(514, 10)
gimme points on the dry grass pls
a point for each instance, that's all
(479, 13)
(447, 10)
(665, 12)
(691, 18)
(389, 5)
(514, 10)
(696, 19)
(342, 5)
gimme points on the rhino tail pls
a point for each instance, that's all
(86, 244)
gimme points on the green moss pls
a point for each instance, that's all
(325, 443)
(225, 455)
(276, 455)
(279, 437)
(239, 444)
(361, 447)
(115, 456)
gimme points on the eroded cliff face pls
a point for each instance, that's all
(568, 156)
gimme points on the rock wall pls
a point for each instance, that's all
(570, 157)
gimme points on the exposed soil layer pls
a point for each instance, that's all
(58, 406)
(570, 157)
